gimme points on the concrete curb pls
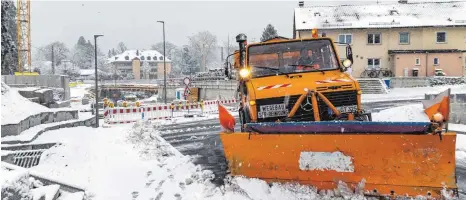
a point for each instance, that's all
(90, 121)
(38, 119)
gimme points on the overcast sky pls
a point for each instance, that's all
(134, 22)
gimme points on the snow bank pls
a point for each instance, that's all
(16, 108)
(48, 192)
(408, 113)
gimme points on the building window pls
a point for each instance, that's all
(155, 57)
(373, 38)
(404, 38)
(161, 58)
(436, 61)
(148, 57)
(142, 57)
(418, 61)
(126, 57)
(441, 37)
(345, 38)
(373, 63)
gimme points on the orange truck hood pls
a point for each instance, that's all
(295, 84)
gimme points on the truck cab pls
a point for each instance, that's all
(295, 80)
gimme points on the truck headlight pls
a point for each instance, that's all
(244, 73)
(347, 63)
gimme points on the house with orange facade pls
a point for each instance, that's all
(400, 39)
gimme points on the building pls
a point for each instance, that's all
(140, 64)
(400, 37)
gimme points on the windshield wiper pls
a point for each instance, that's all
(274, 69)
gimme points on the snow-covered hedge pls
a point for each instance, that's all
(16, 185)
(442, 80)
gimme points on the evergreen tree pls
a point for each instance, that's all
(109, 54)
(9, 40)
(83, 54)
(269, 33)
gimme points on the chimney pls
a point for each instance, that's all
(403, 1)
(301, 4)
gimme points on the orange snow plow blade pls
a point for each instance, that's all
(392, 165)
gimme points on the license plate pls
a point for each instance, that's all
(273, 110)
(344, 109)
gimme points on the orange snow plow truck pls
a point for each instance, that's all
(301, 121)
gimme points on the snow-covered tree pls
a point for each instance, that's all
(202, 44)
(83, 54)
(9, 40)
(189, 63)
(145, 69)
(269, 32)
(169, 48)
(60, 52)
(121, 47)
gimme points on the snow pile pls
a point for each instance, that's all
(16, 108)
(408, 113)
(15, 184)
(79, 91)
(48, 192)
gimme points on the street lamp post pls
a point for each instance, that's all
(164, 66)
(96, 105)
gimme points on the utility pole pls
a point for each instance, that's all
(96, 105)
(53, 62)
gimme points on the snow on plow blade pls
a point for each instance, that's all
(405, 163)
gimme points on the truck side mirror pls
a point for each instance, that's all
(227, 70)
(349, 53)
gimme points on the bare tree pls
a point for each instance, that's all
(121, 47)
(202, 44)
(169, 48)
(60, 52)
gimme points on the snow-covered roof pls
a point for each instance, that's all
(88, 72)
(383, 15)
(144, 55)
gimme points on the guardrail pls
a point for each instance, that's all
(120, 115)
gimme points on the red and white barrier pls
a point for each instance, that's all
(120, 115)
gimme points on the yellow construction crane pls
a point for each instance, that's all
(23, 24)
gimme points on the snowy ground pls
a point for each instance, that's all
(128, 161)
(79, 91)
(411, 93)
(13, 104)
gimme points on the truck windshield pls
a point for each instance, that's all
(291, 57)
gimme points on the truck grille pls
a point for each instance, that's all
(342, 98)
